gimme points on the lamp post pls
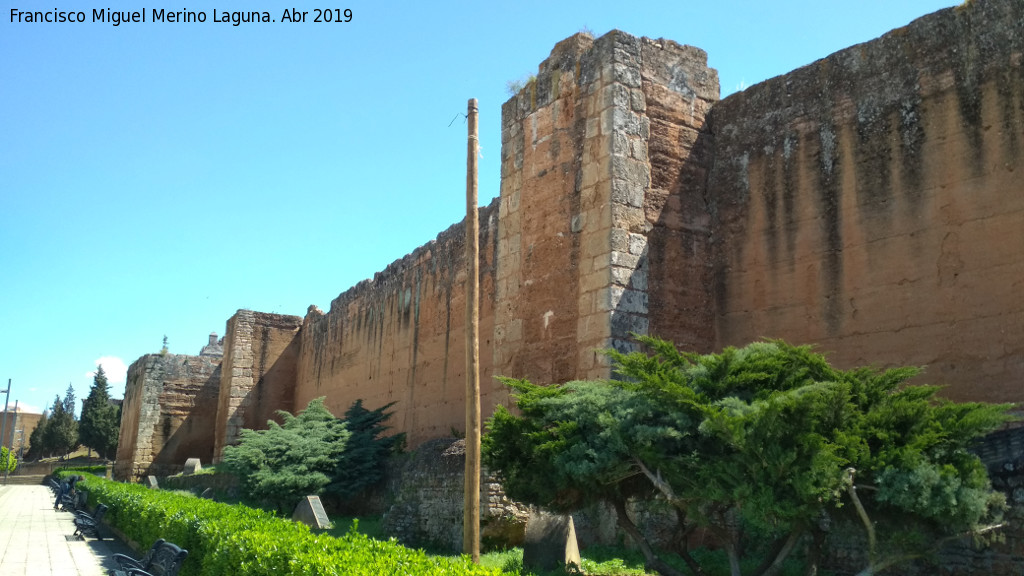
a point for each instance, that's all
(3, 425)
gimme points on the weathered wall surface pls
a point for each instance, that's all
(669, 237)
(872, 203)
(590, 155)
(168, 414)
(17, 427)
(260, 355)
(426, 494)
(563, 250)
(401, 338)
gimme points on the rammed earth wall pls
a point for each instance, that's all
(869, 203)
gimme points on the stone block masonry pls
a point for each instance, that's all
(258, 379)
(577, 187)
(168, 414)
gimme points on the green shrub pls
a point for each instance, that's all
(100, 470)
(361, 465)
(234, 539)
(287, 461)
(7, 457)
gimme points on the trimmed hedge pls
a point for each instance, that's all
(94, 470)
(225, 539)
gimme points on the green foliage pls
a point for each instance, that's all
(36, 444)
(768, 436)
(99, 470)
(100, 423)
(61, 433)
(286, 462)
(567, 447)
(362, 462)
(372, 526)
(225, 539)
(8, 460)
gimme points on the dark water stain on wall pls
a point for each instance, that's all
(790, 191)
(830, 210)
(873, 156)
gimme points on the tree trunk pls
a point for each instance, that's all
(814, 551)
(683, 543)
(653, 562)
(774, 565)
(734, 558)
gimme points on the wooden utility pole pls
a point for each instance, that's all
(471, 507)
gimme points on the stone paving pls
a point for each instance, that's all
(34, 538)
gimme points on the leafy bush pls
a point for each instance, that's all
(286, 462)
(362, 462)
(225, 539)
(7, 457)
(313, 453)
(99, 470)
(768, 437)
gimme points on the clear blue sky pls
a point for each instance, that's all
(157, 177)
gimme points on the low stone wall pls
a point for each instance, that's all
(427, 501)
(426, 495)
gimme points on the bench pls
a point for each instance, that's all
(163, 559)
(75, 503)
(89, 525)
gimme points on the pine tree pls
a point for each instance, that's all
(362, 464)
(287, 461)
(36, 445)
(61, 434)
(98, 426)
(69, 401)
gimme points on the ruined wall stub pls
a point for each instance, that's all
(258, 378)
(872, 203)
(168, 414)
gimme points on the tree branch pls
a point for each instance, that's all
(653, 562)
(661, 485)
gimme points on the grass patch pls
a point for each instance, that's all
(620, 561)
(370, 526)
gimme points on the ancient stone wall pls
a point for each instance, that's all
(401, 338)
(168, 414)
(590, 153)
(661, 246)
(871, 203)
(426, 501)
(563, 250)
(260, 355)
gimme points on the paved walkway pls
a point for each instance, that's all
(33, 538)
